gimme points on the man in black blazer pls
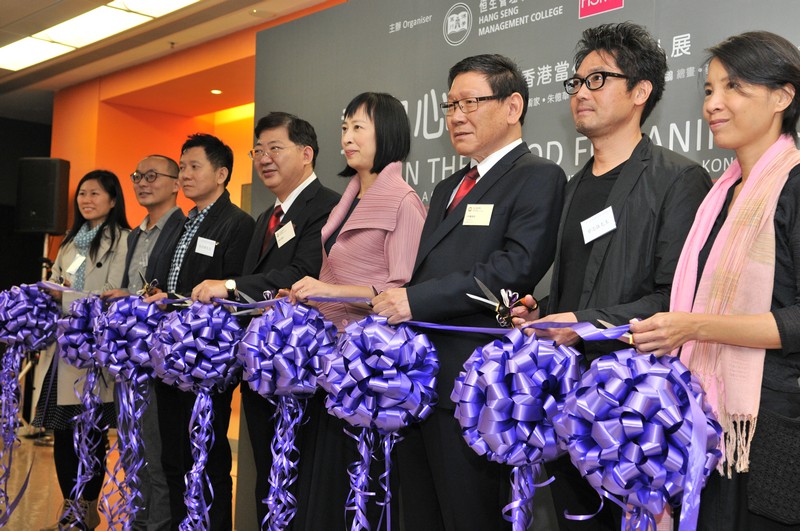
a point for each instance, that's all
(638, 200)
(155, 183)
(502, 232)
(284, 156)
(212, 244)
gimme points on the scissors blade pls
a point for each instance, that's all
(481, 299)
(486, 291)
(627, 337)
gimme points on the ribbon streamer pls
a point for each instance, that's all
(506, 399)
(380, 378)
(634, 427)
(27, 323)
(125, 336)
(195, 351)
(281, 352)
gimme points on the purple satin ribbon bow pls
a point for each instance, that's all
(634, 427)
(380, 378)
(281, 352)
(28, 318)
(195, 351)
(506, 399)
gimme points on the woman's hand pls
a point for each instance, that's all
(664, 332)
(310, 287)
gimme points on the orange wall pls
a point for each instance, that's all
(91, 133)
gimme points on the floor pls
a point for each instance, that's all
(42, 499)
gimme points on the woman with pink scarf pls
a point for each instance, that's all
(735, 308)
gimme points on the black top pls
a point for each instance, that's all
(332, 238)
(780, 388)
(589, 199)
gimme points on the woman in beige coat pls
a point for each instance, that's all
(91, 260)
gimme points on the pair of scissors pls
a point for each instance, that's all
(502, 309)
(148, 288)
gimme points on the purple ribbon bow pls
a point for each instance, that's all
(380, 378)
(506, 398)
(281, 352)
(635, 428)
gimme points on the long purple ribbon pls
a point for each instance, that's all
(506, 399)
(627, 427)
(201, 438)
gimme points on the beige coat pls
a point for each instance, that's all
(104, 272)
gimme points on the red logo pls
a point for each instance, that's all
(588, 8)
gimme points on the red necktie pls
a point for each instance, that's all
(466, 185)
(274, 220)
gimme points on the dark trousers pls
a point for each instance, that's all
(66, 462)
(174, 415)
(259, 414)
(573, 494)
(444, 483)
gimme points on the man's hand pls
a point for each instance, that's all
(393, 303)
(521, 313)
(566, 337)
(208, 289)
(157, 296)
(115, 294)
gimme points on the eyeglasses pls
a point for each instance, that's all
(593, 81)
(149, 176)
(272, 152)
(467, 105)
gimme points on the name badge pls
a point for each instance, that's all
(205, 247)
(73, 267)
(284, 234)
(597, 225)
(478, 215)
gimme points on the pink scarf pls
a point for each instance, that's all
(744, 249)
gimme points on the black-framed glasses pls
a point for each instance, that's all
(593, 81)
(272, 152)
(149, 176)
(467, 105)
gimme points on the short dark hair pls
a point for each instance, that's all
(392, 129)
(300, 132)
(116, 217)
(503, 75)
(172, 166)
(636, 52)
(767, 59)
(219, 154)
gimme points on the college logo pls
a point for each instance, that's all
(457, 24)
(588, 8)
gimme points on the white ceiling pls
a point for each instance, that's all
(28, 94)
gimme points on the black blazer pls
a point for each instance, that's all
(514, 251)
(227, 225)
(630, 269)
(173, 226)
(280, 267)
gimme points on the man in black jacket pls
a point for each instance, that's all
(212, 244)
(285, 247)
(626, 215)
(155, 183)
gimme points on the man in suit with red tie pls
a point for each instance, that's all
(507, 241)
(285, 247)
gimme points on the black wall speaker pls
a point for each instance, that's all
(42, 195)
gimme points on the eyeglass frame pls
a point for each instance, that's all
(146, 178)
(582, 81)
(449, 107)
(276, 149)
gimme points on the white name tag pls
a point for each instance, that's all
(73, 267)
(478, 215)
(597, 225)
(205, 246)
(284, 234)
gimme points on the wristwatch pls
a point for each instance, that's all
(230, 285)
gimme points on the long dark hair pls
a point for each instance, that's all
(116, 217)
